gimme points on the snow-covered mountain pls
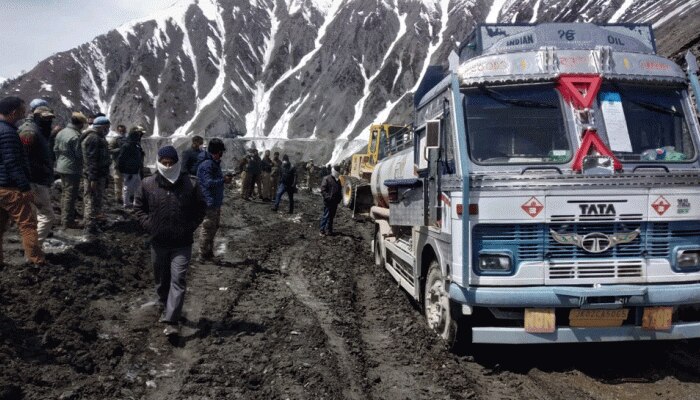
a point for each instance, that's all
(310, 74)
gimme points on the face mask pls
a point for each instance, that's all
(335, 173)
(170, 173)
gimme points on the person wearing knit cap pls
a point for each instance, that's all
(169, 206)
(96, 162)
(35, 134)
(34, 104)
(69, 164)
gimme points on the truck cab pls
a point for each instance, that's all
(552, 193)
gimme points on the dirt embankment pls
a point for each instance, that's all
(288, 314)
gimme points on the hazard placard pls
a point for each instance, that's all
(661, 205)
(533, 207)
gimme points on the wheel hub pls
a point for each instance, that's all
(437, 305)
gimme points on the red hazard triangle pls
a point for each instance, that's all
(581, 90)
(592, 140)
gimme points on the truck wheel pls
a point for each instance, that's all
(378, 259)
(437, 307)
(349, 192)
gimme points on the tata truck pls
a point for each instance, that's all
(550, 191)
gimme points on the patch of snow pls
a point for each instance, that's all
(535, 11)
(494, 12)
(146, 86)
(66, 102)
(678, 11)
(281, 128)
(46, 87)
(621, 11)
(270, 41)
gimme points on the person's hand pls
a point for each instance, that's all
(93, 186)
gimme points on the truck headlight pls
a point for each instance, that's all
(495, 263)
(688, 259)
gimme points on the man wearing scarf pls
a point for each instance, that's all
(170, 206)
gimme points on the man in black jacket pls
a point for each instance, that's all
(190, 157)
(96, 162)
(129, 164)
(288, 184)
(169, 205)
(332, 194)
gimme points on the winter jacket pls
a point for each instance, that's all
(266, 165)
(253, 166)
(14, 166)
(115, 145)
(69, 155)
(211, 179)
(130, 157)
(288, 175)
(190, 160)
(36, 147)
(331, 190)
(276, 166)
(96, 157)
(169, 212)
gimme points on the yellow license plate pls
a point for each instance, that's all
(597, 318)
(657, 318)
(540, 320)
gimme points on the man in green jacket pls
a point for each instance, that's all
(96, 163)
(69, 164)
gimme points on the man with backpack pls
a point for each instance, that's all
(129, 164)
(288, 184)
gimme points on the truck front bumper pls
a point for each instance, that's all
(574, 297)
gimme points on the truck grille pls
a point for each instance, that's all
(588, 271)
(533, 242)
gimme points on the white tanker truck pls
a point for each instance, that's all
(549, 190)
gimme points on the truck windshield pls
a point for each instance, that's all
(646, 123)
(516, 125)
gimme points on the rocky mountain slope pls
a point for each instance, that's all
(310, 74)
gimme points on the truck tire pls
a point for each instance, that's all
(349, 191)
(378, 259)
(438, 307)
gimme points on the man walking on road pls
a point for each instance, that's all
(96, 161)
(169, 205)
(35, 133)
(212, 182)
(288, 184)
(332, 194)
(69, 164)
(15, 190)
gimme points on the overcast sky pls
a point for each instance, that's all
(32, 30)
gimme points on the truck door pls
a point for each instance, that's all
(431, 153)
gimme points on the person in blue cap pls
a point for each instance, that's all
(170, 206)
(96, 163)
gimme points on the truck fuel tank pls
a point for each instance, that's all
(397, 166)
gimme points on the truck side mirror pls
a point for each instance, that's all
(433, 134)
(432, 137)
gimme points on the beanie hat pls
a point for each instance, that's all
(101, 121)
(77, 115)
(168, 152)
(37, 103)
(43, 112)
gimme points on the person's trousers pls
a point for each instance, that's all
(282, 189)
(131, 185)
(70, 186)
(170, 271)
(246, 185)
(18, 206)
(210, 226)
(44, 211)
(118, 184)
(265, 185)
(328, 216)
(274, 183)
(257, 180)
(93, 203)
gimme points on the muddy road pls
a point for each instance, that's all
(286, 315)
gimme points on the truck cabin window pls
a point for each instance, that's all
(516, 125)
(646, 123)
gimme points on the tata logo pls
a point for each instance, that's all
(598, 209)
(595, 242)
